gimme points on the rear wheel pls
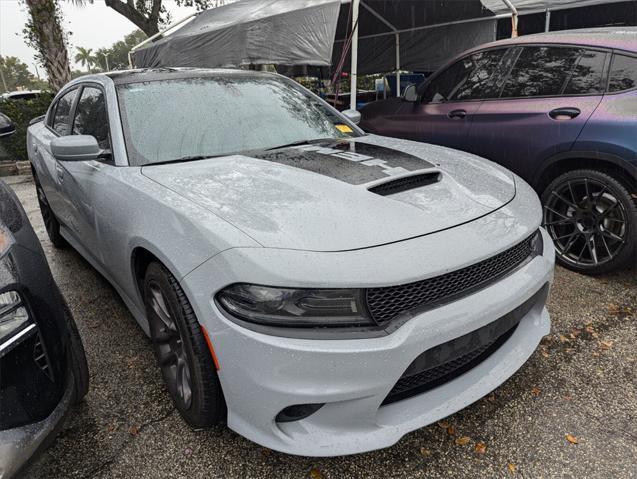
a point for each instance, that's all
(592, 220)
(181, 350)
(51, 223)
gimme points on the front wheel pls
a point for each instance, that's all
(181, 350)
(592, 220)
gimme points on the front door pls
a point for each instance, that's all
(542, 107)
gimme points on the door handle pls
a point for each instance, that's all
(457, 114)
(565, 113)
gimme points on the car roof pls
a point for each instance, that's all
(620, 38)
(155, 74)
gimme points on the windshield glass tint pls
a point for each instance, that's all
(171, 119)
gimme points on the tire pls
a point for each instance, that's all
(51, 223)
(77, 356)
(592, 219)
(181, 350)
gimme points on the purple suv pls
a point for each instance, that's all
(558, 109)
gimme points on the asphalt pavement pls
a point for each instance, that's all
(571, 411)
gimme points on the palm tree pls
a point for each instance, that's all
(85, 57)
(44, 32)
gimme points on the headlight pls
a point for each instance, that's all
(295, 307)
(13, 314)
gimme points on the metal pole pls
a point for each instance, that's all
(397, 64)
(106, 59)
(514, 18)
(547, 21)
(354, 68)
(4, 82)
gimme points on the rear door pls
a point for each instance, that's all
(448, 102)
(541, 106)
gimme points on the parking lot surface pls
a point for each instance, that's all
(570, 411)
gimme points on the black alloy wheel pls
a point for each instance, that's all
(181, 350)
(592, 220)
(51, 223)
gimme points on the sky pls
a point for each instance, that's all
(92, 26)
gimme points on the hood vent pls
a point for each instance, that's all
(406, 183)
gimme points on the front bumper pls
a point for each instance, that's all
(18, 446)
(262, 374)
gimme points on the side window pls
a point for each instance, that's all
(587, 75)
(62, 117)
(91, 117)
(467, 79)
(540, 71)
(623, 73)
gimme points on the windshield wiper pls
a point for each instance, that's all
(183, 159)
(298, 143)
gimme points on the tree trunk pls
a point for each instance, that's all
(50, 41)
(149, 25)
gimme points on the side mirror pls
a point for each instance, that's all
(410, 95)
(353, 115)
(75, 148)
(7, 127)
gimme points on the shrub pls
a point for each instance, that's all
(21, 113)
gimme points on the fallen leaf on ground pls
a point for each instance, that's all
(425, 452)
(491, 397)
(512, 467)
(481, 448)
(568, 397)
(315, 473)
(614, 309)
(535, 391)
(133, 430)
(443, 424)
(606, 345)
(462, 441)
(545, 354)
(572, 439)
(451, 430)
(564, 339)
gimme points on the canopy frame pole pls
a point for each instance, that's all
(158, 34)
(397, 37)
(547, 20)
(354, 67)
(514, 18)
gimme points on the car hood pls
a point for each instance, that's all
(338, 195)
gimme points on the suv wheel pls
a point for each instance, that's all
(592, 220)
(51, 223)
(181, 350)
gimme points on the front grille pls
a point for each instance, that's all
(386, 303)
(407, 183)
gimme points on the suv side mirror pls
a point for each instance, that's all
(75, 148)
(353, 115)
(410, 95)
(7, 127)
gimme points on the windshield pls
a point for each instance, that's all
(169, 120)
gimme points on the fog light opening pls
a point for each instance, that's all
(297, 412)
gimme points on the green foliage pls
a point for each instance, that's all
(85, 57)
(22, 112)
(118, 52)
(17, 76)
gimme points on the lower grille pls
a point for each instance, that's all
(449, 360)
(386, 303)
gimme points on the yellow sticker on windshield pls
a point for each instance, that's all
(344, 129)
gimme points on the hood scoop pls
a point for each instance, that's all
(406, 183)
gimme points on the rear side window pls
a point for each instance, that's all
(623, 73)
(587, 74)
(91, 117)
(467, 79)
(541, 71)
(62, 118)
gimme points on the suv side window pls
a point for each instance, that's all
(587, 74)
(62, 117)
(467, 79)
(540, 71)
(623, 73)
(91, 117)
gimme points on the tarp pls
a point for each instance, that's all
(283, 32)
(523, 6)
(312, 32)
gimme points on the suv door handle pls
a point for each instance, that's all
(457, 114)
(566, 113)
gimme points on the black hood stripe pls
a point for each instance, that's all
(348, 160)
